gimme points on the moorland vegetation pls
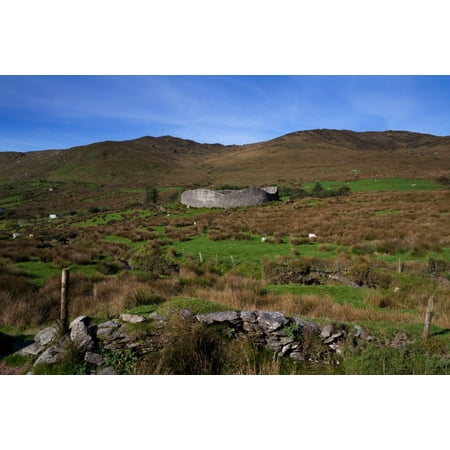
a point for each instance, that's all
(381, 249)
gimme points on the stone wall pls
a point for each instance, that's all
(207, 198)
(286, 337)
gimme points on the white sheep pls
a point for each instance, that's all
(312, 236)
(264, 239)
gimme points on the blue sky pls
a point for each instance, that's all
(53, 112)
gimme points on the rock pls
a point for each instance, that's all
(54, 353)
(334, 337)
(107, 371)
(222, 316)
(82, 319)
(185, 314)
(248, 316)
(105, 329)
(271, 321)
(400, 341)
(296, 356)
(361, 334)
(94, 358)
(327, 331)
(80, 334)
(306, 325)
(285, 349)
(110, 324)
(336, 348)
(159, 318)
(46, 336)
(274, 344)
(31, 350)
(249, 327)
(286, 340)
(132, 318)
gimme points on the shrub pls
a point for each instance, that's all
(156, 265)
(108, 267)
(365, 275)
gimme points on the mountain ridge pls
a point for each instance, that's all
(168, 160)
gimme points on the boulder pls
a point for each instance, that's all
(222, 316)
(132, 318)
(80, 333)
(248, 316)
(94, 358)
(31, 350)
(271, 321)
(306, 325)
(46, 336)
(327, 331)
(54, 353)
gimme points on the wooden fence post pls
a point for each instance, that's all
(65, 279)
(428, 316)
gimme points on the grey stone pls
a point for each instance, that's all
(107, 371)
(46, 336)
(222, 316)
(80, 319)
(80, 335)
(400, 341)
(185, 314)
(336, 348)
(33, 349)
(296, 356)
(327, 331)
(271, 321)
(362, 334)
(333, 337)
(306, 325)
(104, 332)
(274, 344)
(54, 353)
(248, 316)
(251, 328)
(286, 340)
(94, 358)
(158, 317)
(110, 324)
(132, 318)
(285, 349)
(206, 198)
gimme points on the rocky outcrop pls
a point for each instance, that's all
(206, 198)
(296, 338)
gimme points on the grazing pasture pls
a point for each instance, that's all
(378, 254)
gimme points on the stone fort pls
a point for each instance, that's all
(229, 198)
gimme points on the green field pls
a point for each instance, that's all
(340, 294)
(251, 251)
(380, 184)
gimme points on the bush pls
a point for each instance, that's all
(156, 265)
(363, 274)
(108, 267)
(285, 271)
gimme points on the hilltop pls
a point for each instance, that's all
(299, 156)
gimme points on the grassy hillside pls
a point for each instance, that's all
(381, 251)
(301, 156)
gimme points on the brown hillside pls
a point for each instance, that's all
(300, 156)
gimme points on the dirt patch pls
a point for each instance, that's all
(5, 369)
